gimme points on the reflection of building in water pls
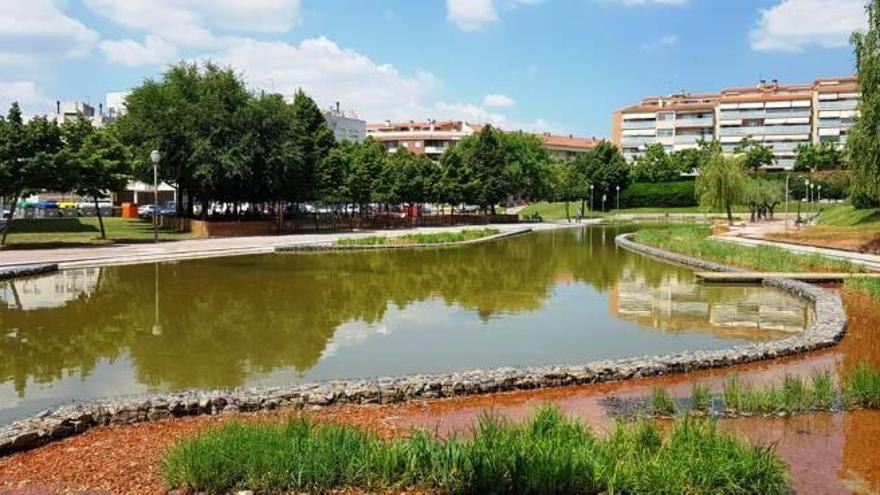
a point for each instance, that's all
(49, 291)
(676, 302)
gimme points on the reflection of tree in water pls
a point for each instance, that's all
(223, 319)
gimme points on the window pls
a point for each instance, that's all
(664, 132)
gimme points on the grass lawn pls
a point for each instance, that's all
(840, 226)
(556, 211)
(436, 238)
(547, 454)
(50, 232)
(692, 240)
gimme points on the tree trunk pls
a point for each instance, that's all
(101, 219)
(8, 226)
(729, 214)
(567, 216)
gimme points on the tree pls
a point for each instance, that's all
(863, 147)
(102, 165)
(409, 177)
(720, 183)
(604, 168)
(366, 182)
(527, 165)
(656, 166)
(488, 162)
(27, 157)
(457, 181)
(313, 139)
(754, 154)
(333, 173)
(569, 185)
(811, 158)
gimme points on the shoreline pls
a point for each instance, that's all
(827, 329)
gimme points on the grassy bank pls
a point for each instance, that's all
(794, 395)
(435, 238)
(74, 231)
(840, 226)
(692, 240)
(556, 211)
(547, 454)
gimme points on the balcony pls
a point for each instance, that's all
(770, 113)
(692, 138)
(836, 123)
(695, 122)
(839, 105)
(638, 140)
(638, 124)
(765, 130)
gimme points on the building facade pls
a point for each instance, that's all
(432, 138)
(346, 126)
(780, 116)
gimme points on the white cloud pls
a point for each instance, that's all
(375, 91)
(37, 28)
(28, 94)
(793, 25)
(641, 3)
(153, 51)
(471, 15)
(663, 41)
(329, 73)
(498, 101)
(193, 22)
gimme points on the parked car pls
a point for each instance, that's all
(146, 211)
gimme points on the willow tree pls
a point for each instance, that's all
(720, 183)
(863, 143)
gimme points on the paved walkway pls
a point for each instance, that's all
(122, 254)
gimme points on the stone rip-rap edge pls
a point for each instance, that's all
(828, 327)
(26, 270)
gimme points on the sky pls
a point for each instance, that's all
(540, 65)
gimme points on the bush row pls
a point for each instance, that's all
(658, 195)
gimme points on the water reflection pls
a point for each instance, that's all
(537, 299)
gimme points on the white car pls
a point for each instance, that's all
(146, 210)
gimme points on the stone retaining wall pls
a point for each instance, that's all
(827, 328)
(26, 271)
(332, 246)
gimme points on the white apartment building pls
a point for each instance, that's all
(346, 125)
(780, 116)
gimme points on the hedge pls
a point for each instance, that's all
(660, 194)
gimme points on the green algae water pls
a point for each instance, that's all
(566, 296)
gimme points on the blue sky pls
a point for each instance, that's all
(558, 65)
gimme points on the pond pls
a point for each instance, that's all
(565, 296)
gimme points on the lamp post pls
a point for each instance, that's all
(617, 210)
(812, 195)
(604, 197)
(807, 198)
(155, 156)
(819, 198)
(591, 198)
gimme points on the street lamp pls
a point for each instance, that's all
(812, 195)
(591, 198)
(819, 197)
(807, 198)
(155, 156)
(604, 197)
(618, 200)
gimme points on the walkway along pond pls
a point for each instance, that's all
(533, 302)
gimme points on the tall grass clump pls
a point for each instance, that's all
(823, 393)
(546, 455)
(692, 240)
(700, 398)
(433, 238)
(869, 286)
(662, 404)
(862, 387)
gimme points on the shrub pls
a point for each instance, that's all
(664, 194)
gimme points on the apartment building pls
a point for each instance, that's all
(433, 137)
(430, 137)
(780, 116)
(346, 126)
(567, 147)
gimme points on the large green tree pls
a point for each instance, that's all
(655, 165)
(28, 158)
(812, 157)
(604, 168)
(754, 154)
(102, 165)
(863, 143)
